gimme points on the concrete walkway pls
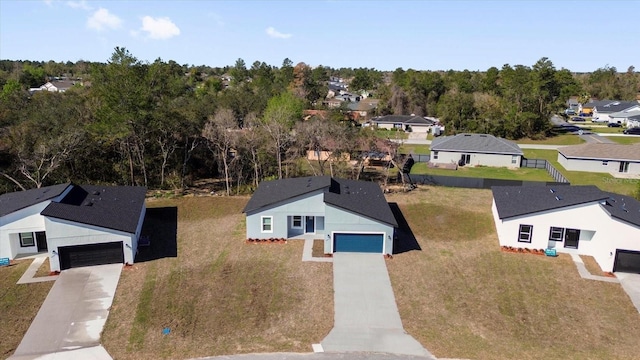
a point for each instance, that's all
(366, 314)
(307, 253)
(29, 276)
(585, 274)
(631, 285)
(72, 316)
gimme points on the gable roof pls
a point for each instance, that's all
(627, 113)
(111, 207)
(522, 200)
(361, 197)
(623, 207)
(602, 151)
(614, 106)
(14, 201)
(478, 143)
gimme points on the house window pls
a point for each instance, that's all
(525, 233)
(556, 233)
(296, 222)
(26, 239)
(624, 166)
(267, 224)
(514, 159)
(435, 155)
(605, 163)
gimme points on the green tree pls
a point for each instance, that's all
(279, 117)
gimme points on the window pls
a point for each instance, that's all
(525, 233)
(296, 222)
(514, 159)
(605, 163)
(26, 239)
(556, 233)
(267, 226)
(624, 166)
(435, 155)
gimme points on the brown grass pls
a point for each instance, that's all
(318, 248)
(460, 296)
(19, 304)
(220, 295)
(591, 265)
(44, 269)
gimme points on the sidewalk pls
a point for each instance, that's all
(29, 276)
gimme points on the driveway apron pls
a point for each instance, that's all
(366, 314)
(631, 285)
(74, 312)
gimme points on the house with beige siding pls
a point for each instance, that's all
(599, 157)
(475, 150)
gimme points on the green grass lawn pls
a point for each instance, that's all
(461, 297)
(414, 149)
(560, 139)
(604, 130)
(625, 140)
(603, 181)
(486, 172)
(390, 134)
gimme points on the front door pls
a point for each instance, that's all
(310, 225)
(571, 238)
(41, 240)
(624, 167)
(465, 159)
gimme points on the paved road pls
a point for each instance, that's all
(366, 314)
(72, 316)
(317, 356)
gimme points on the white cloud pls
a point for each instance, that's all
(276, 34)
(159, 28)
(82, 4)
(102, 19)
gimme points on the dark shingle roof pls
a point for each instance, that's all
(614, 106)
(477, 143)
(623, 207)
(15, 201)
(111, 207)
(361, 197)
(394, 118)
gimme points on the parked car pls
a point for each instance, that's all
(584, 114)
(577, 118)
(598, 120)
(632, 131)
(569, 112)
(614, 124)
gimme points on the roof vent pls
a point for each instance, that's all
(558, 197)
(87, 203)
(552, 190)
(95, 192)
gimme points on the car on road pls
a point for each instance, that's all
(577, 118)
(632, 131)
(614, 124)
(598, 120)
(569, 112)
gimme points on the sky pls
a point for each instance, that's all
(581, 36)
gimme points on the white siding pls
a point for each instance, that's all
(608, 166)
(600, 235)
(24, 220)
(496, 160)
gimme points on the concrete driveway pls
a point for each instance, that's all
(366, 314)
(631, 285)
(72, 316)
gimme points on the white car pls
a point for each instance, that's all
(598, 120)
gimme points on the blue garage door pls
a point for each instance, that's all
(368, 243)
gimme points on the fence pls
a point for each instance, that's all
(418, 157)
(544, 164)
(473, 183)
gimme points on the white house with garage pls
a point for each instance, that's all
(581, 220)
(605, 110)
(349, 215)
(475, 150)
(599, 157)
(410, 123)
(75, 225)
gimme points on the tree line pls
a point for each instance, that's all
(165, 125)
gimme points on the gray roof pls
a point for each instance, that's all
(625, 114)
(601, 151)
(361, 197)
(523, 200)
(14, 201)
(111, 207)
(476, 143)
(614, 106)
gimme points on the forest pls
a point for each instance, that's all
(164, 125)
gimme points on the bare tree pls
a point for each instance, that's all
(221, 131)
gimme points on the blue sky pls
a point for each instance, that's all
(423, 35)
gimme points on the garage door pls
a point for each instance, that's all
(369, 243)
(91, 254)
(627, 261)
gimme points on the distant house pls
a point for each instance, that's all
(602, 110)
(581, 220)
(75, 225)
(573, 104)
(624, 116)
(349, 215)
(363, 108)
(57, 85)
(475, 150)
(410, 123)
(600, 157)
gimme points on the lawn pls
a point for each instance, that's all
(486, 172)
(604, 129)
(603, 181)
(461, 297)
(219, 295)
(625, 140)
(19, 304)
(414, 149)
(390, 134)
(561, 139)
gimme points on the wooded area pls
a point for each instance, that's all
(165, 125)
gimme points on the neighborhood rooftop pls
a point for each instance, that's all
(483, 143)
(361, 197)
(601, 151)
(112, 207)
(14, 201)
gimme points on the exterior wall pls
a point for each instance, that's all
(306, 205)
(340, 220)
(497, 160)
(385, 126)
(23, 220)
(420, 128)
(134, 239)
(600, 235)
(612, 166)
(67, 233)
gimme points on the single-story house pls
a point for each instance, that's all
(410, 123)
(76, 225)
(581, 220)
(600, 157)
(602, 110)
(625, 117)
(349, 215)
(475, 149)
